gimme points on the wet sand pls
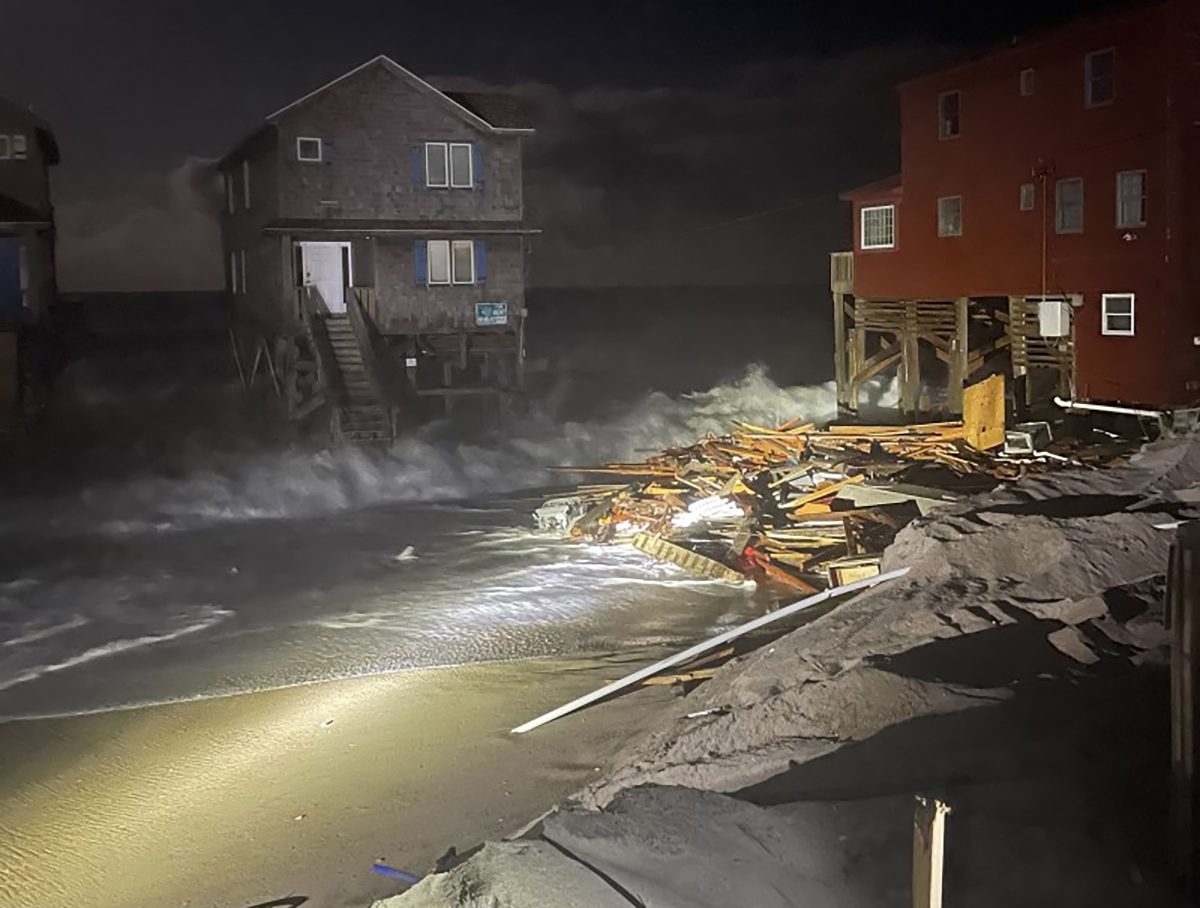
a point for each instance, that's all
(296, 792)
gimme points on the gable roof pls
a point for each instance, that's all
(45, 135)
(13, 211)
(489, 112)
(888, 186)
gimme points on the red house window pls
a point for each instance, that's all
(1099, 77)
(948, 107)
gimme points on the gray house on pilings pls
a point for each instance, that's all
(375, 248)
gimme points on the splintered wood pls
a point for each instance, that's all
(762, 503)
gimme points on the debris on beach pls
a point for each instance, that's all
(794, 507)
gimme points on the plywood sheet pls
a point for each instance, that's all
(983, 413)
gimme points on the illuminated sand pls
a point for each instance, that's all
(245, 799)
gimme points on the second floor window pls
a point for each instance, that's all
(449, 165)
(1131, 198)
(1027, 197)
(878, 227)
(1068, 206)
(950, 215)
(948, 107)
(1028, 82)
(1099, 78)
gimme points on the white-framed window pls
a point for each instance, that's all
(950, 215)
(462, 261)
(229, 203)
(438, 259)
(20, 148)
(450, 261)
(1131, 198)
(437, 165)
(242, 257)
(1116, 314)
(5, 148)
(1068, 206)
(949, 103)
(1028, 198)
(246, 183)
(1099, 78)
(449, 165)
(1028, 82)
(308, 148)
(462, 169)
(878, 227)
(233, 272)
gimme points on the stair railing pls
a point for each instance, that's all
(329, 377)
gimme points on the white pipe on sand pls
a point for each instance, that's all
(712, 642)
(1107, 408)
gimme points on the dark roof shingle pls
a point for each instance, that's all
(498, 110)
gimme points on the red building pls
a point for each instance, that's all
(1047, 216)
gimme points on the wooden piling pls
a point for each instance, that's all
(1183, 622)
(929, 850)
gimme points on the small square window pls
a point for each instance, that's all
(19, 148)
(1099, 78)
(1117, 314)
(950, 216)
(5, 148)
(308, 148)
(1068, 206)
(1131, 199)
(1028, 82)
(439, 261)
(878, 227)
(1027, 196)
(463, 261)
(948, 114)
(437, 165)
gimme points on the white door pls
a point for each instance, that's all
(323, 269)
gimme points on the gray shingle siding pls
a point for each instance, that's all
(371, 125)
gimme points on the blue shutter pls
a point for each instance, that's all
(421, 261)
(418, 165)
(480, 262)
(477, 163)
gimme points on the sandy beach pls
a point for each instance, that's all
(241, 800)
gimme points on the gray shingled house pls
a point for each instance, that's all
(27, 285)
(375, 247)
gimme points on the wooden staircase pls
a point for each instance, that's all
(363, 417)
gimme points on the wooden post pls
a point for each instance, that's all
(929, 849)
(959, 353)
(839, 351)
(858, 353)
(910, 365)
(1183, 622)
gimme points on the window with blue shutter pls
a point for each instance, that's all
(477, 163)
(421, 262)
(480, 262)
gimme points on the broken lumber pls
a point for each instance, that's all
(705, 646)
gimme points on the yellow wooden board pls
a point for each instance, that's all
(983, 413)
(692, 562)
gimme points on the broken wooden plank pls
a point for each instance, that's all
(692, 562)
(704, 646)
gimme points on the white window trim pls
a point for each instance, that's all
(1032, 187)
(233, 272)
(320, 149)
(429, 247)
(246, 183)
(470, 244)
(446, 150)
(1087, 78)
(1142, 222)
(470, 184)
(20, 147)
(947, 198)
(942, 135)
(1104, 329)
(5, 148)
(862, 227)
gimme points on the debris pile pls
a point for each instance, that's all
(774, 505)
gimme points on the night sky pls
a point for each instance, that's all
(679, 142)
